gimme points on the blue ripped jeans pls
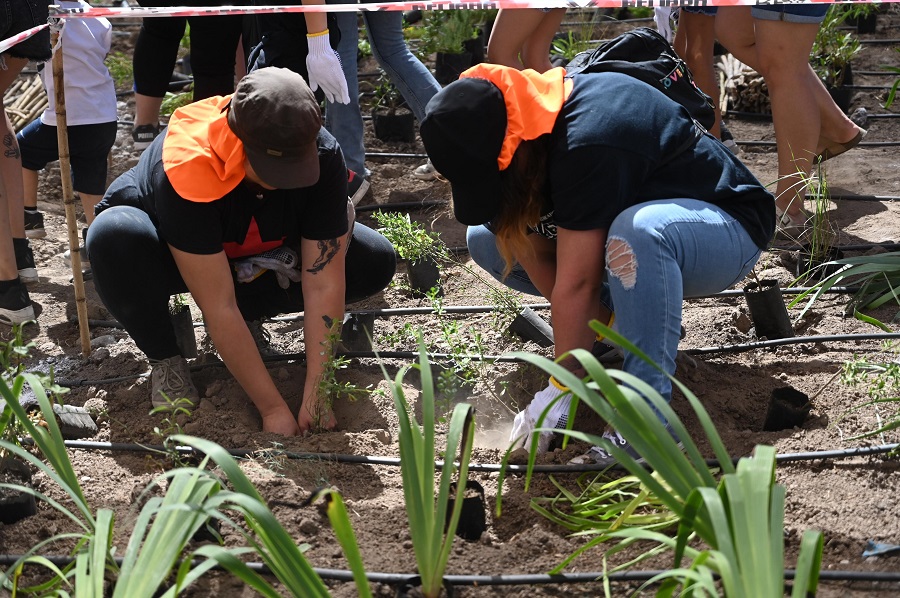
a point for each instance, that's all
(412, 78)
(681, 248)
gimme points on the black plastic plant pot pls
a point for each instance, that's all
(767, 310)
(532, 327)
(356, 332)
(184, 332)
(424, 275)
(867, 24)
(475, 47)
(447, 67)
(472, 522)
(815, 268)
(788, 408)
(15, 505)
(841, 94)
(396, 127)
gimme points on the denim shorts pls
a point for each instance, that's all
(791, 13)
(709, 11)
(17, 16)
(89, 147)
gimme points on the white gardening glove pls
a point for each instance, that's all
(526, 420)
(324, 68)
(284, 261)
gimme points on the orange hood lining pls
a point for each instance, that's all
(202, 156)
(533, 102)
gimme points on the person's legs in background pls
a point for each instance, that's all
(695, 40)
(413, 79)
(214, 43)
(344, 121)
(805, 118)
(521, 37)
(154, 58)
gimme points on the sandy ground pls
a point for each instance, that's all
(851, 500)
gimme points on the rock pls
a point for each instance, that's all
(309, 527)
(741, 321)
(103, 341)
(74, 422)
(390, 171)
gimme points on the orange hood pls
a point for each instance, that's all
(202, 157)
(533, 101)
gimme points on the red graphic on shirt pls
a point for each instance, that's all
(252, 245)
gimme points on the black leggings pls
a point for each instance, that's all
(135, 274)
(214, 41)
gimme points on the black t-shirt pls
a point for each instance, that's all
(618, 142)
(240, 223)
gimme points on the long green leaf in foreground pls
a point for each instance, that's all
(272, 542)
(741, 518)
(427, 509)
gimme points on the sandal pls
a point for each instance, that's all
(837, 149)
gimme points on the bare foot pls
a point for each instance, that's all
(279, 424)
(316, 417)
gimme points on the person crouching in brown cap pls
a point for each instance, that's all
(595, 190)
(243, 203)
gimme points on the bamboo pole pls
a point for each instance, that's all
(65, 173)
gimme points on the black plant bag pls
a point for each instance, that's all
(646, 55)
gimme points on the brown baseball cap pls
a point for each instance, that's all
(276, 116)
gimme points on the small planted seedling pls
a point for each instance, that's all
(423, 250)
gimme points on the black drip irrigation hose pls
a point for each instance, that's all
(401, 205)
(401, 579)
(439, 357)
(126, 447)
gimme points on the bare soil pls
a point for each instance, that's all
(852, 500)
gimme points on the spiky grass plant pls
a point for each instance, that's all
(605, 504)
(740, 518)
(426, 508)
(164, 526)
(878, 279)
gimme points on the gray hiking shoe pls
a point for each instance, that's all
(170, 381)
(600, 456)
(261, 337)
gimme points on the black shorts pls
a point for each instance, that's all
(17, 16)
(89, 147)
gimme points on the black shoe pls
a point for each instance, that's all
(25, 261)
(15, 305)
(357, 186)
(728, 140)
(144, 135)
(34, 225)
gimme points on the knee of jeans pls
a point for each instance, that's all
(482, 246)
(621, 262)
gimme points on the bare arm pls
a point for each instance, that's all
(575, 301)
(540, 263)
(208, 278)
(323, 303)
(315, 21)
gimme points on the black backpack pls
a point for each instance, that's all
(646, 55)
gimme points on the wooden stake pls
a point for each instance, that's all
(65, 173)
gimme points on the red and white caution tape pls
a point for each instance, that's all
(193, 11)
(20, 37)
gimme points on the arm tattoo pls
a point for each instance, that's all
(11, 151)
(327, 250)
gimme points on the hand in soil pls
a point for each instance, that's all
(314, 416)
(281, 423)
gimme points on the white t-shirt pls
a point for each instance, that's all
(90, 90)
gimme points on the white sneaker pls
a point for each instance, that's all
(426, 172)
